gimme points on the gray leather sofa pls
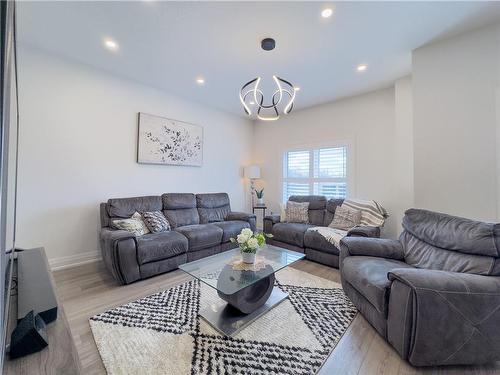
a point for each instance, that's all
(295, 236)
(202, 225)
(434, 295)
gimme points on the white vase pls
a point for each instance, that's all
(248, 258)
(260, 201)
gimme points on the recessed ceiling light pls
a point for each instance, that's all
(362, 67)
(111, 44)
(297, 88)
(252, 103)
(200, 81)
(327, 13)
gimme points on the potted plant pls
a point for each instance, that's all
(260, 196)
(249, 242)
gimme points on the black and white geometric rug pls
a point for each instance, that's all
(162, 333)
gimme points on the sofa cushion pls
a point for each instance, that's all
(126, 207)
(201, 236)
(212, 207)
(316, 202)
(314, 240)
(231, 228)
(368, 275)
(291, 233)
(180, 209)
(420, 254)
(453, 233)
(157, 246)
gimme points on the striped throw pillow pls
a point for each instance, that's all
(156, 221)
(372, 213)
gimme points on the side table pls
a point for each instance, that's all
(262, 207)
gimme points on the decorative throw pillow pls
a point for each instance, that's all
(282, 213)
(133, 225)
(297, 212)
(156, 221)
(345, 218)
(137, 216)
(372, 213)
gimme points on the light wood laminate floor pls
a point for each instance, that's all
(89, 289)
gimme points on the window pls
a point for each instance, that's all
(321, 171)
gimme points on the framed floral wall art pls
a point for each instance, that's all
(166, 141)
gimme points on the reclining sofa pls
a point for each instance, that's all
(434, 295)
(201, 224)
(295, 236)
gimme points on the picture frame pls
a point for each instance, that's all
(166, 141)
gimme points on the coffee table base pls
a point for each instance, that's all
(229, 321)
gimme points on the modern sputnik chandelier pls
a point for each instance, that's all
(281, 100)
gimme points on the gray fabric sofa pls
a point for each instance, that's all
(202, 225)
(434, 295)
(295, 236)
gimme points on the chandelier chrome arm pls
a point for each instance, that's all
(276, 98)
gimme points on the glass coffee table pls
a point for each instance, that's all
(246, 290)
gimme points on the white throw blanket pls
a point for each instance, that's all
(332, 235)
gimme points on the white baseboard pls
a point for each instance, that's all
(74, 260)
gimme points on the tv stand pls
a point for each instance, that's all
(34, 286)
(60, 357)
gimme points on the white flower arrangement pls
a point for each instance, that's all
(249, 242)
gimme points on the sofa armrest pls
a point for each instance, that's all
(364, 231)
(243, 216)
(269, 221)
(445, 281)
(119, 253)
(274, 218)
(373, 247)
(111, 235)
(444, 318)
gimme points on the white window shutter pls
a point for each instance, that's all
(321, 171)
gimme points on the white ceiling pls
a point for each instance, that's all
(168, 44)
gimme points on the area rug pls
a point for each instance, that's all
(162, 333)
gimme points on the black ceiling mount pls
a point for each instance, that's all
(268, 44)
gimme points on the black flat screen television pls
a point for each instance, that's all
(8, 163)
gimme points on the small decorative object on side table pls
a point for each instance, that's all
(249, 242)
(260, 197)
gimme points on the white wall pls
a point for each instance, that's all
(78, 148)
(498, 141)
(366, 121)
(403, 144)
(455, 143)
(431, 141)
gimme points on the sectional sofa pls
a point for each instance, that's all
(295, 236)
(202, 225)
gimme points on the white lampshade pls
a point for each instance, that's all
(252, 171)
